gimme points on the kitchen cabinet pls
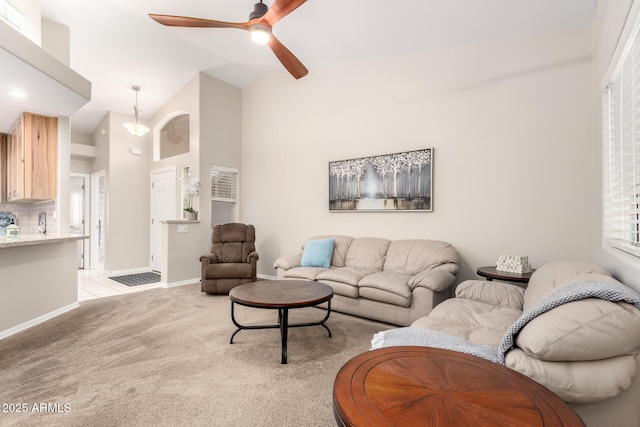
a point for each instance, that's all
(3, 167)
(32, 152)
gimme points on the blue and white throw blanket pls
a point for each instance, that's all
(608, 291)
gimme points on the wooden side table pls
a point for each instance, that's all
(424, 386)
(490, 272)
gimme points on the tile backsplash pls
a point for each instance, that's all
(27, 215)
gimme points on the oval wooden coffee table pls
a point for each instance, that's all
(281, 295)
(423, 386)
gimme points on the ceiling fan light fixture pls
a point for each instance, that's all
(135, 128)
(260, 34)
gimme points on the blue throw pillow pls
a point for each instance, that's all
(317, 253)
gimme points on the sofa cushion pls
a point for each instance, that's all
(554, 275)
(344, 281)
(343, 289)
(349, 275)
(387, 297)
(340, 246)
(367, 253)
(308, 273)
(477, 321)
(413, 256)
(481, 335)
(387, 281)
(497, 293)
(317, 253)
(580, 382)
(589, 329)
(228, 271)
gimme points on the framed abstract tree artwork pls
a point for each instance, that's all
(391, 182)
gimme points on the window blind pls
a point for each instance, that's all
(224, 184)
(622, 134)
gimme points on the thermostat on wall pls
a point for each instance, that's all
(136, 151)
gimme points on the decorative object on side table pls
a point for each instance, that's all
(513, 264)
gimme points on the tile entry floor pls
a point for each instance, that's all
(95, 284)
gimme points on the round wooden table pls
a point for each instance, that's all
(424, 386)
(281, 295)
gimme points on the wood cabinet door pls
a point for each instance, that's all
(15, 164)
(40, 160)
(4, 142)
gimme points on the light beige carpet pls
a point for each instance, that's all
(162, 357)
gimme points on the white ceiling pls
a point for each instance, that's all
(115, 45)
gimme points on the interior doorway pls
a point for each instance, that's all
(163, 207)
(79, 212)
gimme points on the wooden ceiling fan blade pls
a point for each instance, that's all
(281, 8)
(185, 21)
(288, 59)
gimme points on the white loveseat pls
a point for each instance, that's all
(395, 282)
(584, 351)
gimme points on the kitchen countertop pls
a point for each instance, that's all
(38, 239)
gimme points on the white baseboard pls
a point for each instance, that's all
(181, 283)
(267, 277)
(37, 320)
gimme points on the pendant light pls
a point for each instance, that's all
(135, 128)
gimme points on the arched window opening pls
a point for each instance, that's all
(174, 137)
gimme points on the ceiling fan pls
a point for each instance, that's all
(260, 22)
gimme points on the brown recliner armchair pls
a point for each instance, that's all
(232, 260)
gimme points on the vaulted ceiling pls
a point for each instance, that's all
(115, 45)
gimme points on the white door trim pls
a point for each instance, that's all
(94, 235)
(86, 217)
(155, 233)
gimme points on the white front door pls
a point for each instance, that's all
(163, 207)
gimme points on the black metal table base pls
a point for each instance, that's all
(283, 325)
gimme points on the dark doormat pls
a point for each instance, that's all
(137, 279)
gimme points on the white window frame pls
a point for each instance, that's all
(621, 141)
(234, 196)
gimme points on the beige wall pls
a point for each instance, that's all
(32, 11)
(221, 130)
(127, 192)
(55, 40)
(129, 184)
(508, 121)
(608, 24)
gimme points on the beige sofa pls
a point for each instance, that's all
(585, 351)
(396, 281)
